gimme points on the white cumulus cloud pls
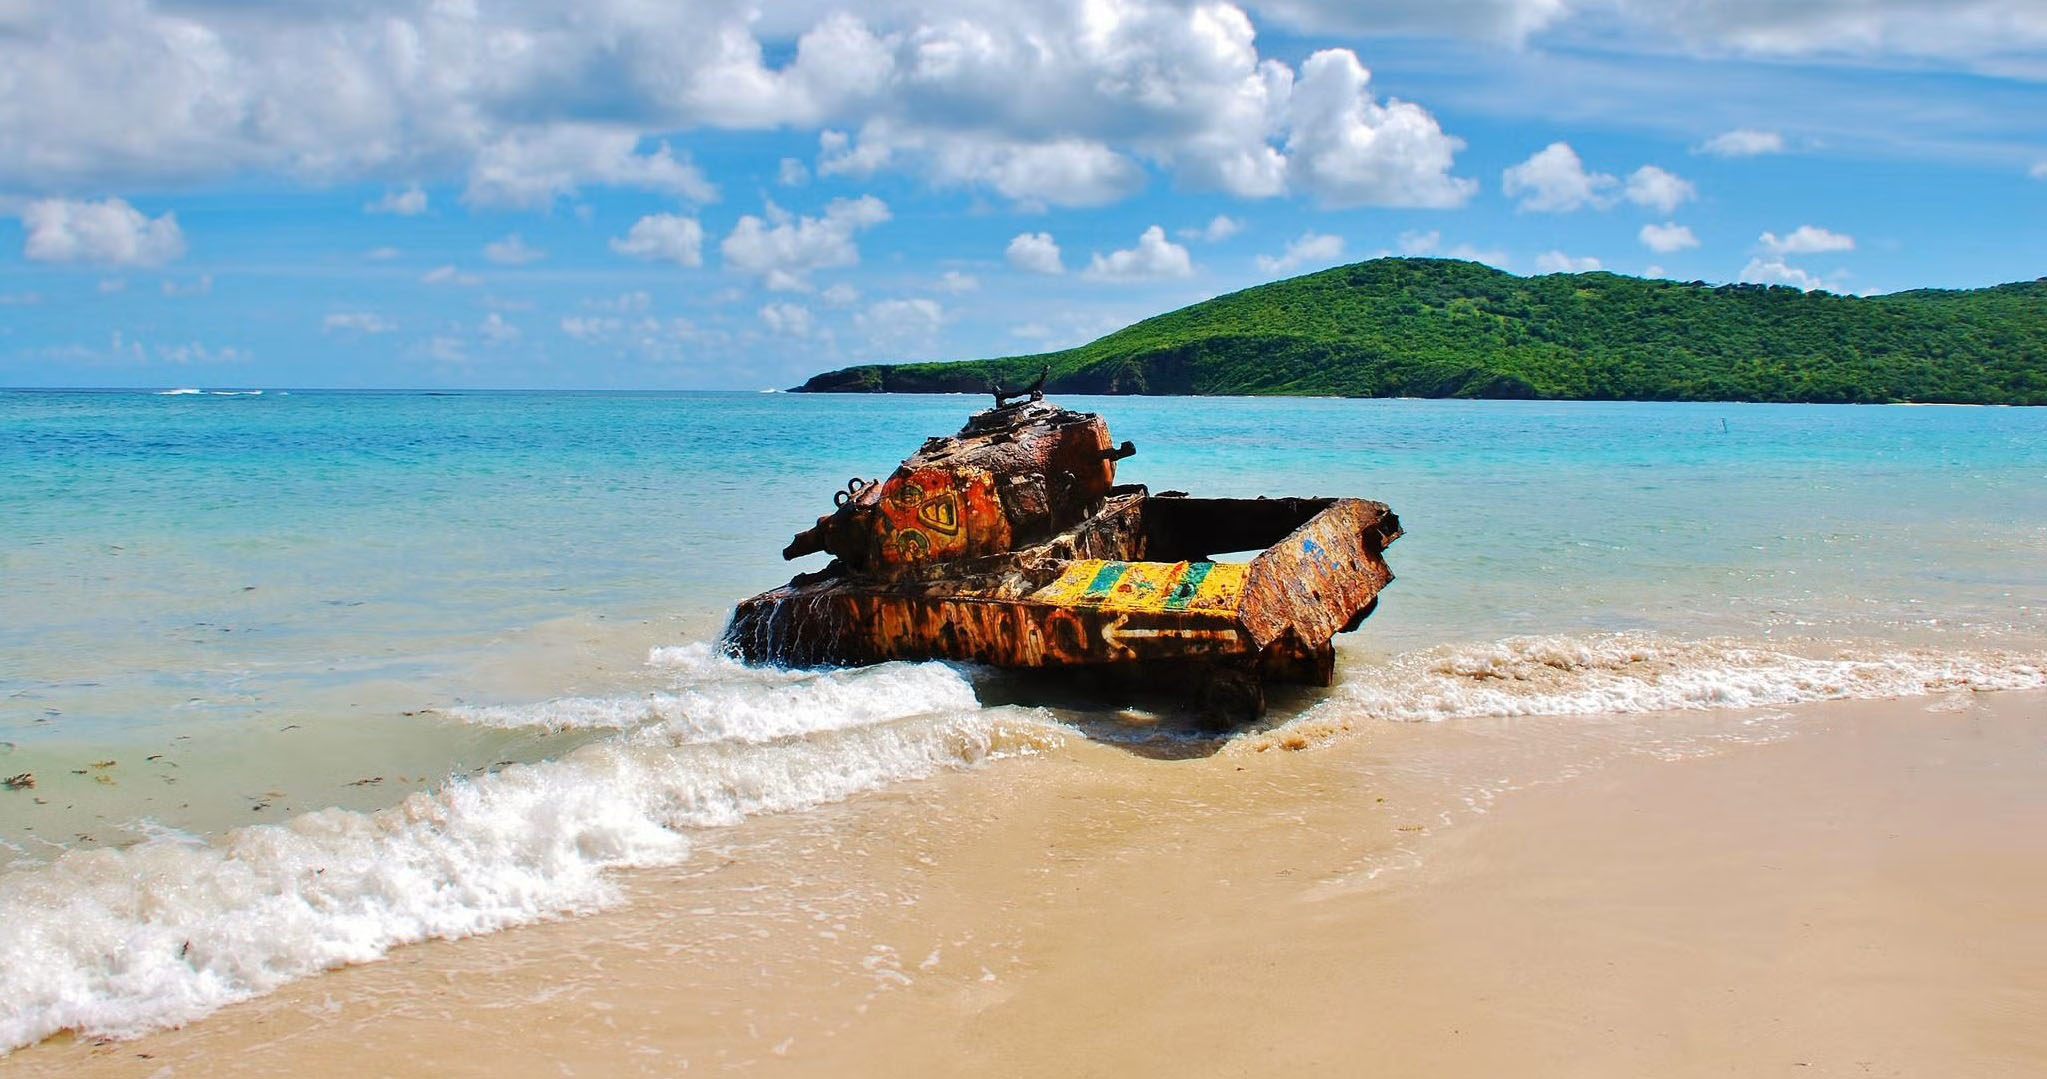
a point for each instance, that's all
(1347, 149)
(1066, 102)
(110, 233)
(1219, 228)
(1667, 237)
(1036, 252)
(531, 169)
(782, 249)
(1743, 142)
(1059, 103)
(1153, 258)
(1554, 180)
(1311, 249)
(1806, 240)
(663, 238)
(1659, 190)
(956, 282)
(1068, 172)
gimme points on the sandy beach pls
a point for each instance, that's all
(1836, 889)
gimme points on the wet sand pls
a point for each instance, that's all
(1842, 889)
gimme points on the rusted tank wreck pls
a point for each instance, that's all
(1011, 544)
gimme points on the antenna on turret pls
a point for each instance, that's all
(1034, 392)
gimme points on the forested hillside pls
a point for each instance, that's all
(1446, 328)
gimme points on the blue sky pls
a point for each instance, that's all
(710, 194)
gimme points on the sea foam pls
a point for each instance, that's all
(714, 698)
(119, 942)
(1635, 673)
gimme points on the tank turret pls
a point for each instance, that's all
(1013, 477)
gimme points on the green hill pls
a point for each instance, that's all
(1399, 327)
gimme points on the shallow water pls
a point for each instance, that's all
(476, 623)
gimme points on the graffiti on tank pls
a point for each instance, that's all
(934, 513)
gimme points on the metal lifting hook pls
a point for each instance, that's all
(853, 488)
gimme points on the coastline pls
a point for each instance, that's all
(1835, 888)
(1487, 401)
(1401, 327)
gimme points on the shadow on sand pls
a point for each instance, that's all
(1154, 723)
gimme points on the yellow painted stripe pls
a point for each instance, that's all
(1146, 586)
(1072, 584)
(1221, 590)
(1142, 587)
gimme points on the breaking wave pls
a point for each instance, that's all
(715, 698)
(119, 942)
(1626, 673)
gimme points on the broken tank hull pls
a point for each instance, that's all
(1116, 578)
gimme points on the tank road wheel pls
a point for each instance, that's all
(1230, 697)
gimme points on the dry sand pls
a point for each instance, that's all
(1847, 889)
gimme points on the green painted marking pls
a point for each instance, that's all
(1105, 579)
(1190, 583)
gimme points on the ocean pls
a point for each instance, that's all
(304, 676)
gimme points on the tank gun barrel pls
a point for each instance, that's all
(809, 541)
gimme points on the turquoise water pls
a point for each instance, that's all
(487, 612)
(197, 562)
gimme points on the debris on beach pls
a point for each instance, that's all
(1011, 544)
(24, 781)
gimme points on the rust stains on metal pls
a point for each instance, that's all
(1011, 478)
(1010, 544)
